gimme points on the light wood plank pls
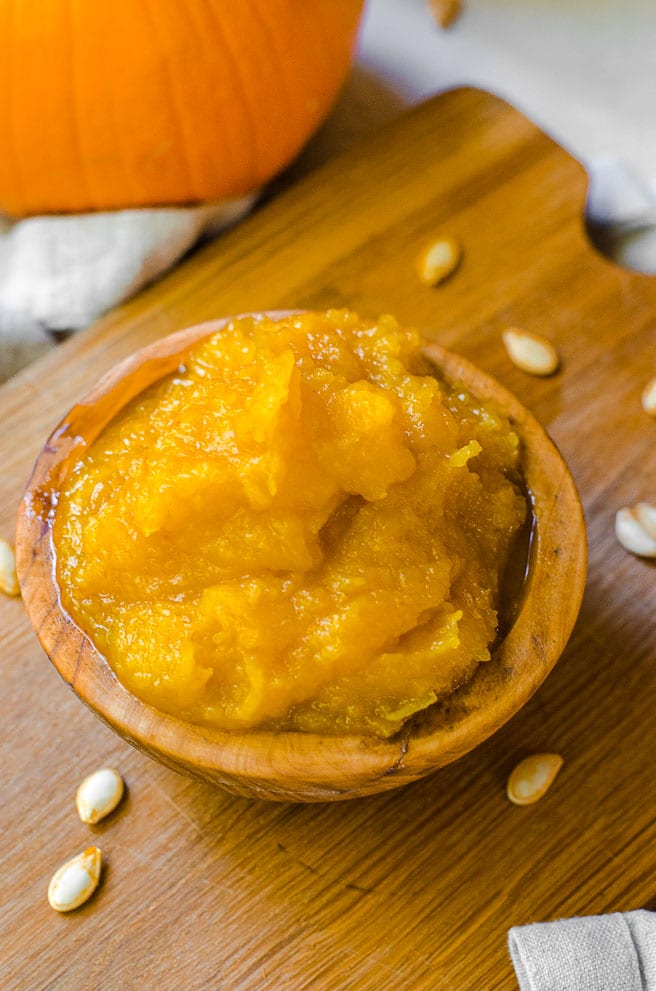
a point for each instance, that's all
(415, 888)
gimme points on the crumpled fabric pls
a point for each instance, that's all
(621, 214)
(60, 273)
(615, 952)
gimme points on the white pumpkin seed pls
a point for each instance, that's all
(8, 580)
(649, 398)
(437, 260)
(646, 514)
(635, 528)
(99, 794)
(531, 352)
(75, 881)
(532, 778)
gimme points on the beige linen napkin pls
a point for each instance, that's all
(614, 952)
(63, 272)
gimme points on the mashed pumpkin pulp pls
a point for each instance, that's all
(302, 528)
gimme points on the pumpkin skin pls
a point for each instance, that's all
(145, 102)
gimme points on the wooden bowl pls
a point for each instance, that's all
(293, 766)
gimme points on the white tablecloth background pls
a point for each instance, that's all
(585, 70)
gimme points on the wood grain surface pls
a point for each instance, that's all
(415, 888)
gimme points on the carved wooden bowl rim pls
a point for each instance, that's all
(301, 766)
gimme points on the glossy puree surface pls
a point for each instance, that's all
(302, 528)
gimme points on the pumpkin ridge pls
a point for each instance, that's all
(247, 101)
(76, 129)
(14, 10)
(6, 165)
(281, 62)
(320, 51)
(133, 182)
(179, 116)
(324, 32)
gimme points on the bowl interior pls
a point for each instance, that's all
(297, 766)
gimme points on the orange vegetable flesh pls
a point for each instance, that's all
(303, 528)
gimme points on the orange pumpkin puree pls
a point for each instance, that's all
(302, 528)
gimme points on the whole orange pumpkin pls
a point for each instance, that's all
(136, 102)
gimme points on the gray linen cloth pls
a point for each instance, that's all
(614, 952)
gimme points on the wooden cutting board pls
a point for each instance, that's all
(416, 888)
